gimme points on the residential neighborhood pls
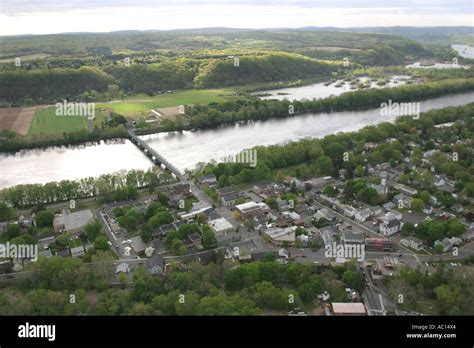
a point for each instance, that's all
(382, 220)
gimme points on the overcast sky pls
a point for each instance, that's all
(55, 16)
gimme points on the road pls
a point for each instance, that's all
(376, 301)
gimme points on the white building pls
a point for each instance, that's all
(412, 242)
(278, 236)
(73, 223)
(220, 226)
(390, 227)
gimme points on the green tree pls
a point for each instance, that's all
(160, 218)
(6, 213)
(208, 238)
(359, 171)
(417, 205)
(101, 243)
(13, 230)
(178, 247)
(44, 218)
(93, 230)
(324, 166)
(369, 195)
(329, 190)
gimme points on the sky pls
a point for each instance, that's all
(57, 16)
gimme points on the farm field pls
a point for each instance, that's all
(45, 121)
(17, 119)
(140, 105)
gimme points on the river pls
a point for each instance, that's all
(188, 148)
(326, 89)
(71, 162)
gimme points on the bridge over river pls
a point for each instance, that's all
(154, 155)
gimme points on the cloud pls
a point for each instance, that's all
(52, 16)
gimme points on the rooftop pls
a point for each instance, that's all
(72, 221)
(220, 224)
(348, 308)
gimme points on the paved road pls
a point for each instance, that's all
(376, 301)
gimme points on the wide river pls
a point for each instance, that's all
(186, 149)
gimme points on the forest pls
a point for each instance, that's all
(68, 66)
(214, 289)
(242, 110)
(47, 85)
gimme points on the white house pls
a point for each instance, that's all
(390, 227)
(362, 215)
(412, 242)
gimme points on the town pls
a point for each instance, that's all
(409, 213)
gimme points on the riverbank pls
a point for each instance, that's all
(187, 149)
(234, 111)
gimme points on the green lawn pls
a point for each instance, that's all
(141, 104)
(45, 121)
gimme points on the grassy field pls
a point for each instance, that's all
(140, 105)
(45, 121)
(27, 57)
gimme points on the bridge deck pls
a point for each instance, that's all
(159, 158)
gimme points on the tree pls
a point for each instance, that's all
(351, 279)
(6, 213)
(425, 196)
(369, 195)
(160, 218)
(101, 243)
(178, 247)
(272, 203)
(435, 231)
(439, 248)
(417, 205)
(208, 238)
(329, 190)
(93, 230)
(470, 189)
(223, 181)
(269, 296)
(300, 231)
(44, 218)
(408, 228)
(146, 233)
(455, 228)
(324, 166)
(359, 171)
(448, 297)
(13, 230)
